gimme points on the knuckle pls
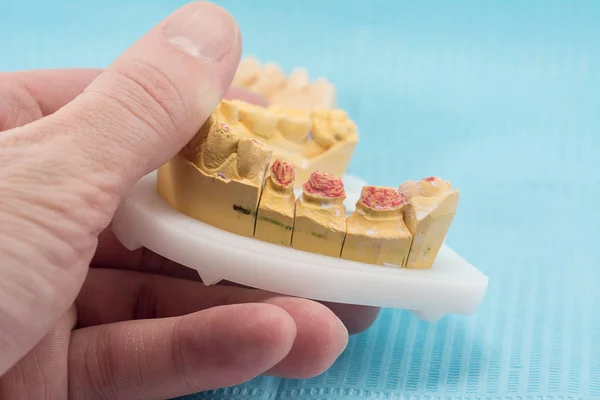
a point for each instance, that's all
(17, 105)
(185, 356)
(99, 364)
(145, 306)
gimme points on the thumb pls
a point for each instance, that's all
(62, 177)
(147, 104)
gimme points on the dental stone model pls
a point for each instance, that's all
(430, 208)
(322, 140)
(376, 232)
(294, 91)
(224, 177)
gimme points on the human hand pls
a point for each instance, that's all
(73, 143)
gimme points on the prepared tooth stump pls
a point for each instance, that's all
(320, 222)
(275, 218)
(375, 232)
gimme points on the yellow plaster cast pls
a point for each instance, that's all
(320, 219)
(430, 206)
(217, 178)
(275, 219)
(376, 232)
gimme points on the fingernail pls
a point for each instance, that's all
(202, 30)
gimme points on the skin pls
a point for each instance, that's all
(81, 316)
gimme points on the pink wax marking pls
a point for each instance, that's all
(381, 198)
(224, 126)
(283, 173)
(323, 184)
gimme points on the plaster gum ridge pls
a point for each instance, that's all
(225, 180)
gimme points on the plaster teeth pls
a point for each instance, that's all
(258, 120)
(252, 158)
(221, 142)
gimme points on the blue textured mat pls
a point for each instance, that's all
(502, 98)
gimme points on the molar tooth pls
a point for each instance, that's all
(376, 232)
(253, 156)
(295, 129)
(258, 120)
(294, 124)
(246, 72)
(321, 133)
(221, 142)
(323, 185)
(331, 126)
(320, 219)
(378, 198)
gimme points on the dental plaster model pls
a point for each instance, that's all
(221, 178)
(376, 232)
(293, 91)
(429, 211)
(322, 140)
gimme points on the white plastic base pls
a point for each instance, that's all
(452, 285)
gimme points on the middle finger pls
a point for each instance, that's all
(110, 296)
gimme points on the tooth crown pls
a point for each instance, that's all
(295, 90)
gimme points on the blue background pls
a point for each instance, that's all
(501, 98)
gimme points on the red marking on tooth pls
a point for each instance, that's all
(283, 173)
(323, 184)
(224, 126)
(381, 198)
(430, 179)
